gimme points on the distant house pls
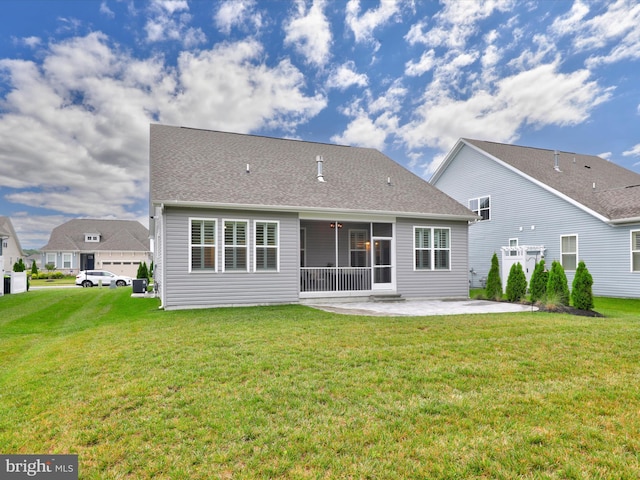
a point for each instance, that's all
(536, 203)
(245, 220)
(10, 249)
(119, 246)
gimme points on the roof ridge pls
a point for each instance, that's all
(534, 148)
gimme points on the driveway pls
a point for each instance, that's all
(423, 307)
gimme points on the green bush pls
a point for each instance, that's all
(34, 268)
(516, 283)
(557, 286)
(19, 266)
(581, 292)
(143, 271)
(494, 284)
(538, 284)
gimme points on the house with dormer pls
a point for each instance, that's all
(536, 203)
(10, 249)
(249, 220)
(119, 246)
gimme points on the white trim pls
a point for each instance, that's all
(70, 256)
(223, 248)
(632, 251)
(480, 219)
(432, 249)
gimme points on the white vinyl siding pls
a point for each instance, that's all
(432, 248)
(202, 251)
(569, 252)
(235, 238)
(481, 206)
(635, 251)
(266, 246)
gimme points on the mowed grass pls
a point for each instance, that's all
(293, 392)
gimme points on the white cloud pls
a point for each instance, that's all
(105, 10)
(345, 76)
(538, 97)
(362, 131)
(363, 25)
(89, 106)
(427, 62)
(169, 20)
(633, 152)
(309, 33)
(236, 13)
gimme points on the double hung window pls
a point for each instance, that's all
(203, 244)
(635, 251)
(569, 251)
(235, 245)
(432, 248)
(266, 245)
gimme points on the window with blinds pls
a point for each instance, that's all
(202, 244)
(266, 246)
(569, 252)
(235, 245)
(432, 248)
(635, 251)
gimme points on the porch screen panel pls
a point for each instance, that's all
(422, 247)
(359, 255)
(235, 245)
(266, 245)
(203, 244)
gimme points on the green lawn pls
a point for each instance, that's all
(292, 392)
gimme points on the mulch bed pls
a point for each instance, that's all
(570, 310)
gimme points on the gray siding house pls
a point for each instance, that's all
(119, 246)
(536, 203)
(248, 220)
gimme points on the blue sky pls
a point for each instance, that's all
(81, 80)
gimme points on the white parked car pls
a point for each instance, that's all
(91, 278)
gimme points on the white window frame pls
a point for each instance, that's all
(478, 210)
(276, 247)
(563, 253)
(635, 251)
(214, 246)
(303, 247)
(91, 237)
(48, 256)
(225, 245)
(432, 248)
(70, 257)
(513, 242)
(360, 231)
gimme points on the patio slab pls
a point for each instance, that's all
(423, 307)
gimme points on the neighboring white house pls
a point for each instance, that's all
(119, 246)
(536, 203)
(244, 220)
(10, 249)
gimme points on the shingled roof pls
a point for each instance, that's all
(210, 168)
(603, 187)
(115, 236)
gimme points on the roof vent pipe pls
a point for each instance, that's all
(556, 156)
(319, 161)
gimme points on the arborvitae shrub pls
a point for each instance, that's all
(516, 283)
(538, 284)
(494, 284)
(34, 268)
(19, 266)
(557, 286)
(581, 292)
(143, 272)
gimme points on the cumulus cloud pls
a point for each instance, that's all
(236, 13)
(363, 25)
(89, 105)
(169, 20)
(633, 151)
(364, 131)
(537, 97)
(309, 33)
(345, 76)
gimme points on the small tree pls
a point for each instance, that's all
(493, 289)
(50, 268)
(581, 292)
(557, 286)
(19, 266)
(516, 283)
(538, 284)
(143, 272)
(34, 268)
(151, 269)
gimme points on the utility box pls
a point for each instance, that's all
(139, 285)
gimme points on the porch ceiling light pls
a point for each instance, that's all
(333, 224)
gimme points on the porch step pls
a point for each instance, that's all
(392, 297)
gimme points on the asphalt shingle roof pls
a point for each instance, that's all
(115, 235)
(616, 195)
(210, 168)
